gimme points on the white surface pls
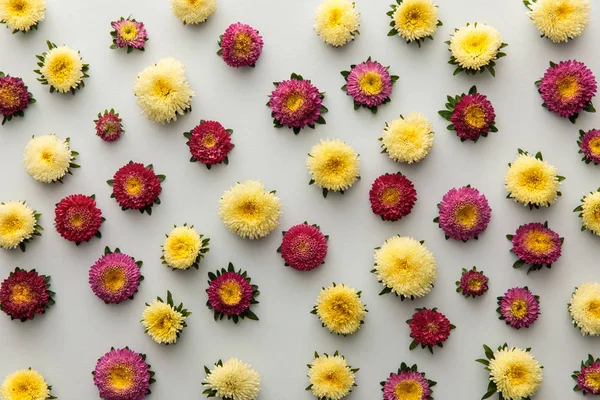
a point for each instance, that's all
(65, 343)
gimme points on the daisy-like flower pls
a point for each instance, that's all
(231, 294)
(559, 20)
(129, 33)
(48, 158)
(331, 378)
(193, 11)
(303, 247)
(340, 309)
(408, 383)
(464, 213)
(532, 181)
(240, 45)
(589, 146)
(14, 97)
(369, 84)
(163, 321)
(109, 126)
(249, 211)
(62, 68)
(25, 384)
(519, 307)
(408, 139)
(115, 276)
(19, 224)
(77, 218)
(472, 283)
(162, 91)
(184, 248)
(414, 20)
(123, 374)
(470, 115)
(232, 379)
(515, 374)
(587, 378)
(296, 103)
(22, 15)
(337, 21)
(429, 328)
(584, 308)
(209, 143)
(405, 266)
(475, 48)
(333, 165)
(392, 196)
(136, 187)
(537, 245)
(589, 212)
(24, 294)
(567, 88)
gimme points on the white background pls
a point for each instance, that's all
(65, 343)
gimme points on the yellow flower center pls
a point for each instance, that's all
(209, 140)
(61, 68)
(335, 16)
(518, 308)
(595, 145)
(129, 31)
(533, 179)
(11, 224)
(409, 390)
(335, 165)
(47, 156)
(161, 88)
(121, 377)
(477, 43)
(475, 284)
(113, 279)
(390, 196)
(475, 116)
(592, 379)
(182, 246)
(242, 44)
(416, 17)
(568, 87)
(134, 186)
(250, 209)
(516, 374)
(76, 220)
(294, 101)
(21, 294)
(370, 83)
(8, 98)
(538, 242)
(230, 293)
(593, 308)
(18, 7)
(167, 322)
(564, 11)
(466, 215)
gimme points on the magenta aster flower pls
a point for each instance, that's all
(14, 97)
(231, 294)
(24, 294)
(240, 45)
(589, 146)
(537, 245)
(464, 213)
(369, 84)
(128, 33)
(567, 88)
(115, 277)
(588, 377)
(303, 247)
(109, 126)
(77, 218)
(472, 283)
(296, 103)
(429, 328)
(471, 115)
(209, 143)
(407, 383)
(519, 307)
(392, 196)
(123, 374)
(136, 187)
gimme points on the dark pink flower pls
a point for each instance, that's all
(537, 245)
(210, 143)
(369, 84)
(473, 116)
(588, 378)
(14, 97)
(303, 247)
(429, 328)
(472, 283)
(115, 277)
(123, 374)
(519, 307)
(241, 45)
(296, 103)
(407, 382)
(392, 196)
(108, 126)
(77, 218)
(589, 146)
(24, 294)
(136, 187)
(463, 213)
(230, 294)
(129, 33)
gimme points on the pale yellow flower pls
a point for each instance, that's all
(63, 69)
(24, 384)
(330, 377)
(416, 19)
(17, 223)
(337, 21)
(516, 373)
(590, 212)
(532, 181)
(22, 15)
(585, 308)
(162, 322)
(182, 247)
(475, 45)
(333, 165)
(47, 158)
(193, 11)
(234, 380)
(340, 309)
(408, 139)
(560, 20)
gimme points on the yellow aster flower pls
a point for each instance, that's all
(475, 46)
(22, 15)
(24, 384)
(333, 165)
(184, 247)
(337, 21)
(48, 158)
(162, 91)
(18, 223)
(193, 11)
(340, 309)
(62, 69)
(408, 139)
(405, 266)
(585, 308)
(560, 20)
(415, 20)
(234, 380)
(532, 181)
(249, 211)
(590, 212)
(516, 373)
(330, 377)
(163, 322)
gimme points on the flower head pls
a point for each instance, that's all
(249, 211)
(537, 245)
(18, 224)
(48, 158)
(331, 378)
(589, 212)
(333, 166)
(369, 84)
(25, 384)
(405, 266)
(162, 91)
(184, 248)
(464, 213)
(475, 48)
(472, 283)
(109, 126)
(14, 97)
(414, 20)
(392, 196)
(24, 294)
(115, 276)
(296, 103)
(589, 146)
(232, 379)
(340, 309)
(304, 247)
(193, 11)
(62, 68)
(209, 143)
(164, 322)
(407, 383)
(519, 307)
(77, 218)
(129, 33)
(123, 374)
(532, 181)
(429, 328)
(231, 294)
(560, 20)
(470, 115)
(22, 15)
(337, 21)
(584, 308)
(588, 377)
(240, 45)
(408, 139)
(136, 187)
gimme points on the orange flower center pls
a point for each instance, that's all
(242, 44)
(21, 294)
(390, 196)
(475, 116)
(134, 186)
(230, 293)
(209, 140)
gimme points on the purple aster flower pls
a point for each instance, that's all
(129, 33)
(519, 307)
(473, 116)
(537, 245)
(123, 374)
(115, 277)
(231, 294)
(588, 378)
(464, 213)
(567, 88)
(472, 283)
(14, 97)
(405, 384)
(589, 146)
(369, 83)
(108, 126)
(241, 45)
